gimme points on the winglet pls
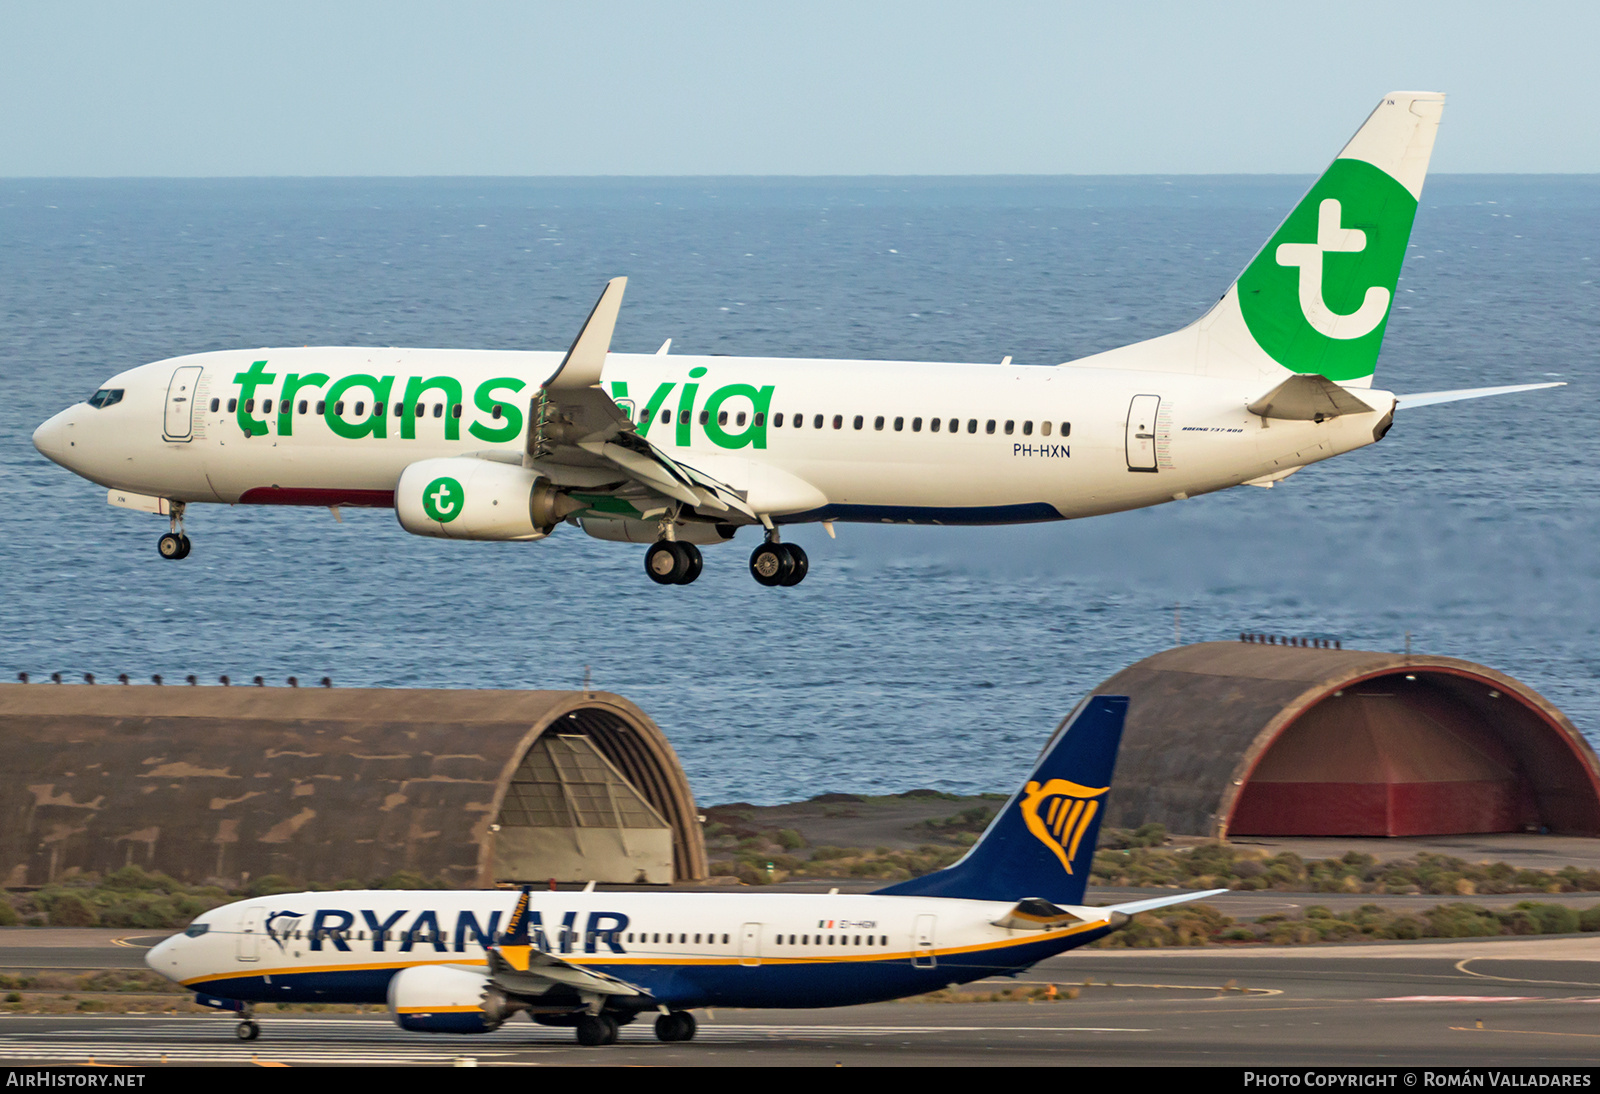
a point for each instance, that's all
(583, 363)
(515, 946)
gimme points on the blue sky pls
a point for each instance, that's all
(628, 88)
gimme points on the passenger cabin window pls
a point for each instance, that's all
(916, 425)
(683, 417)
(761, 419)
(438, 410)
(266, 407)
(877, 423)
(738, 419)
(972, 425)
(303, 406)
(399, 409)
(705, 416)
(722, 417)
(933, 426)
(233, 405)
(838, 421)
(1066, 429)
(858, 421)
(1044, 429)
(899, 424)
(816, 423)
(989, 426)
(1027, 429)
(666, 417)
(420, 410)
(338, 408)
(105, 397)
(777, 420)
(249, 406)
(455, 411)
(322, 406)
(215, 403)
(1010, 427)
(360, 408)
(955, 425)
(496, 412)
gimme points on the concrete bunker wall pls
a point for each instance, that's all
(1245, 738)
(317, 785)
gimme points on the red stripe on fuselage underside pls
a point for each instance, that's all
(294, 495)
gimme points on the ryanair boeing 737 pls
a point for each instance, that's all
(680, 451)
(464, 962)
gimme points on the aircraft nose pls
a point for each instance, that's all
(53, 439)
(163, 957)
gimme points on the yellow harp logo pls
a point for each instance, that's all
(1058, 814)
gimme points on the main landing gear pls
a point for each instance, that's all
(247, 1030)
(775, 564)
(675, 1025)
(596, 1029)
(669, 562)
(175, 544)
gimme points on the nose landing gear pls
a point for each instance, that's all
(174, 544)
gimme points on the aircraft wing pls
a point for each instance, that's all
(545, 971)
(1428, 398)
(575, 429)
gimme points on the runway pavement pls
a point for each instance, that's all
(1457, 1003)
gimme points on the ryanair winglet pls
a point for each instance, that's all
(515, 946)
(1042, 843)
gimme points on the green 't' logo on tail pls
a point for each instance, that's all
(1317, 297)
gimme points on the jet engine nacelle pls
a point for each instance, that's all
(439, 999)
(461, 497)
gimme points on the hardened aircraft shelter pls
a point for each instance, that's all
(325, 785)
(1248, 738)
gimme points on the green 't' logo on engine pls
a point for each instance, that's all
(1317, 297)
(442, 499)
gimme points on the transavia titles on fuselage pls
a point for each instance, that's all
(464, 962)
(680, 451)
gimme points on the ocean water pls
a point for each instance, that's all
(911, 656)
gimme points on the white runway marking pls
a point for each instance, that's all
(130, 1040)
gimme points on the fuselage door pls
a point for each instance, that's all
(750, 944)
(922, 955)
(248, 947)
(178, 425)
(1142, 432)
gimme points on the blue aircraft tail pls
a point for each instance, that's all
(1042, 843)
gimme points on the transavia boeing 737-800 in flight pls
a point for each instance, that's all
(676, 451)
(464, 962)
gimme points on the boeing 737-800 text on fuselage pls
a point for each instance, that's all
(464, 962)
(676, 451)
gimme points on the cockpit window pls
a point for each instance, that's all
(195, 930)
(105, 397)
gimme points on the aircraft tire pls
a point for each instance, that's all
(676, 1026)
(247, 1031)
(802, 564)
(686, 1026)
(186, 545)
(596, 1029)
(695, 562)
(665, 563)
(771, 564)
(171, 546)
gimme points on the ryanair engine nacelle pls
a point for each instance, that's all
(463, 497)
(442, 999)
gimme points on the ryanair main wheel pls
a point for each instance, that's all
(247, 1030)
(666, 563)
(802, 564)
(771, 564)
(185, 541)
(172, 545)
(595, 1029)
(695, 562)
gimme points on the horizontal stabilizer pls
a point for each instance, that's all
(1428, 398)
(1308, 397)
(1034, 914)
(1136, 906)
